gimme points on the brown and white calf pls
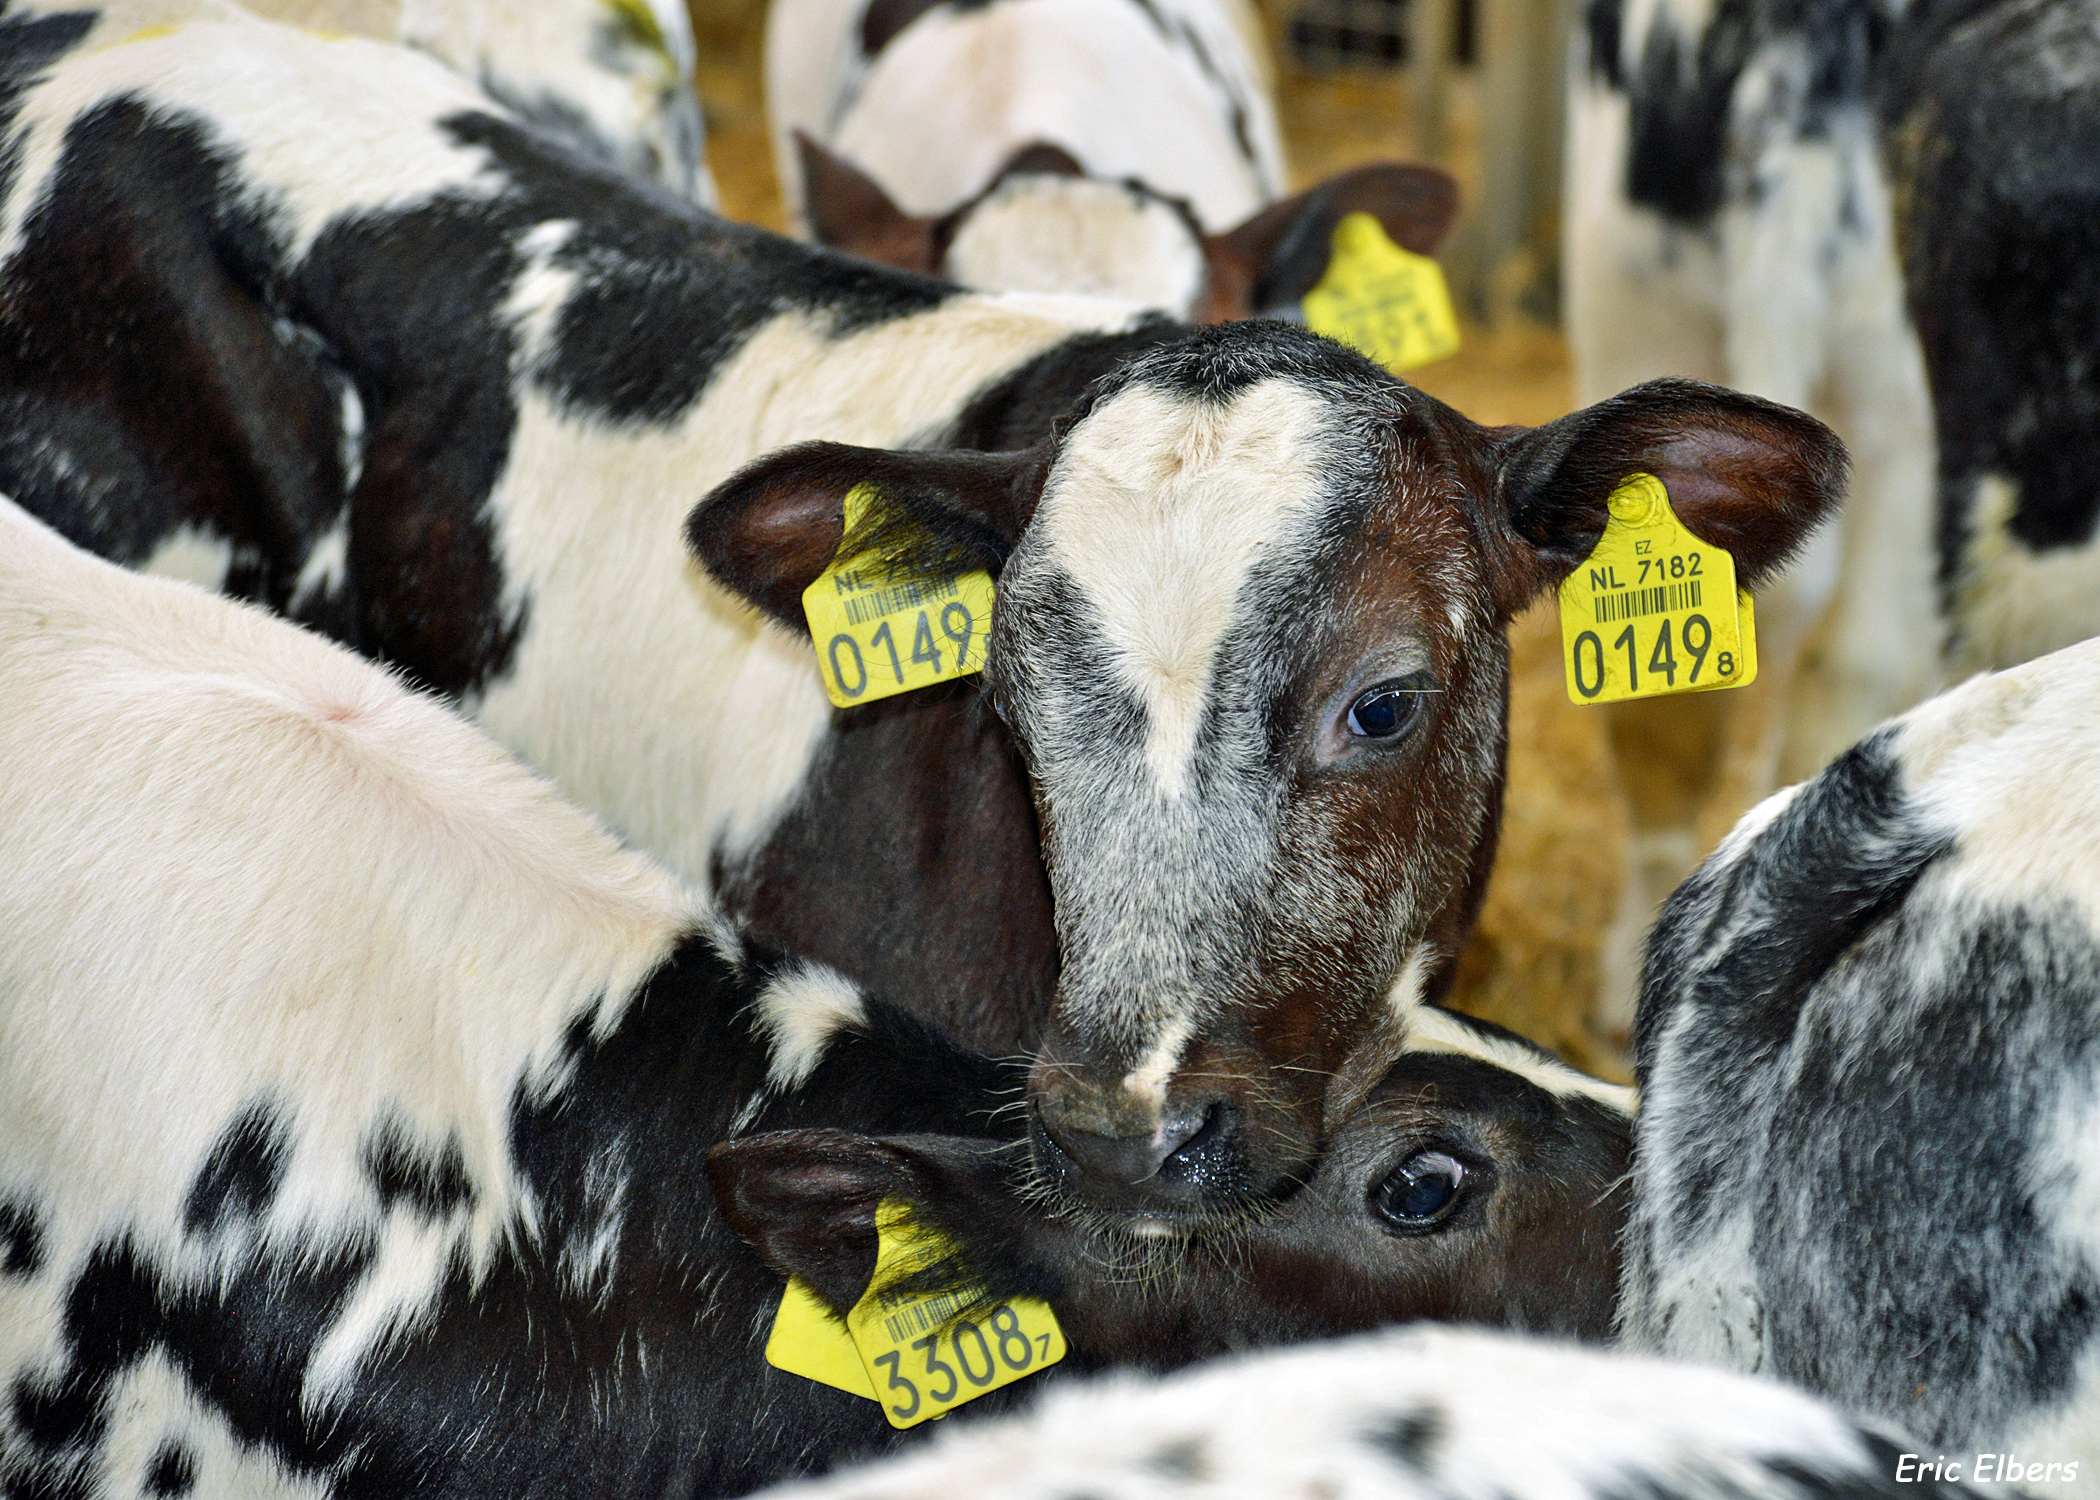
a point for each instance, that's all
(451, 393)
(1122, 148)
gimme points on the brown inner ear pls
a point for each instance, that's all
(806, 1201)
(849, 211)
(1277, 256)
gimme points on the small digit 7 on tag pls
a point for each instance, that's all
(1653, 610)
(922, 1358)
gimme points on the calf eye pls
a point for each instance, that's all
(1390, 708)
(1420, 1193)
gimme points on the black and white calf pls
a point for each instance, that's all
(1416, 1415)
(1869, 1152)
(1888, 214)
(451, 393)
(614, 78)
(355, 1097)
(1123, 148)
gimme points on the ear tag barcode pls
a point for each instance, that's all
(1381, 300)
(925, 1361)
(880, 631)
(1653, 610)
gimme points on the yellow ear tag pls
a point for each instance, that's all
(1381, 300)
(879, 631)
(809, 1342)
(1653, 610)
(911, 1347)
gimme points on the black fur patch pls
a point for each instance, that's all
(432, 1182)
(1189, 1459)
(171, 397)
(1997, 141)
(1843, 854)
(1038, 397)
(1681, 88)
(239, 1180)
(173, 1471)
(667, 295)
(21, 1239)
(1410, 1438)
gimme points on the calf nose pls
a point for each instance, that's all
(1190, 1155)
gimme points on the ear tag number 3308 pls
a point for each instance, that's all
(880, 631)
(1653, 610)
(909, 1350)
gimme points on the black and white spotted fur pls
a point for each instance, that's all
(1867, 1160)
(933, 100)
(370, 350)
(356, 1096)
(1419, 1414)
(612, 77)
(1886, 214)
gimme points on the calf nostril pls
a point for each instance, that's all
(1128, 1160)
(1207, 1154)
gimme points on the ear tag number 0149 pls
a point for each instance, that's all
(880, 631)
(1653, 610)
(907, 1350)
(1382, 300)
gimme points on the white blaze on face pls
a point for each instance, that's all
(1160, 507)
(1148, 1080)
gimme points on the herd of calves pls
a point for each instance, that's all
(376, 1121)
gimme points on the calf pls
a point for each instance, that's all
(1125, 148)
(355, 1093)
(1421, 1414)
(452, 393)
(1867, 1158)
(1886, 214)
(613, 78)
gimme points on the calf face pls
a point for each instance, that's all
(1250, 640)
(1478, 1181)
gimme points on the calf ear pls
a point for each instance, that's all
(849, 211)
(767, 532)
(805, 1200)
(1748, 475)
(1280, 254)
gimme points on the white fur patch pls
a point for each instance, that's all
(1043, 233)
(800, 1011)
(2013, 603)
(1432, 1030)
(325, 565)
(1421, 1413)
(380, 919)
(1161, 497)
(193, 555)
(540, 290)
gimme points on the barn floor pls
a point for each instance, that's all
(1533, 964)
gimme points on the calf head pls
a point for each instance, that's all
(1250, 638)
(1043, 224)
(1477, 1181)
